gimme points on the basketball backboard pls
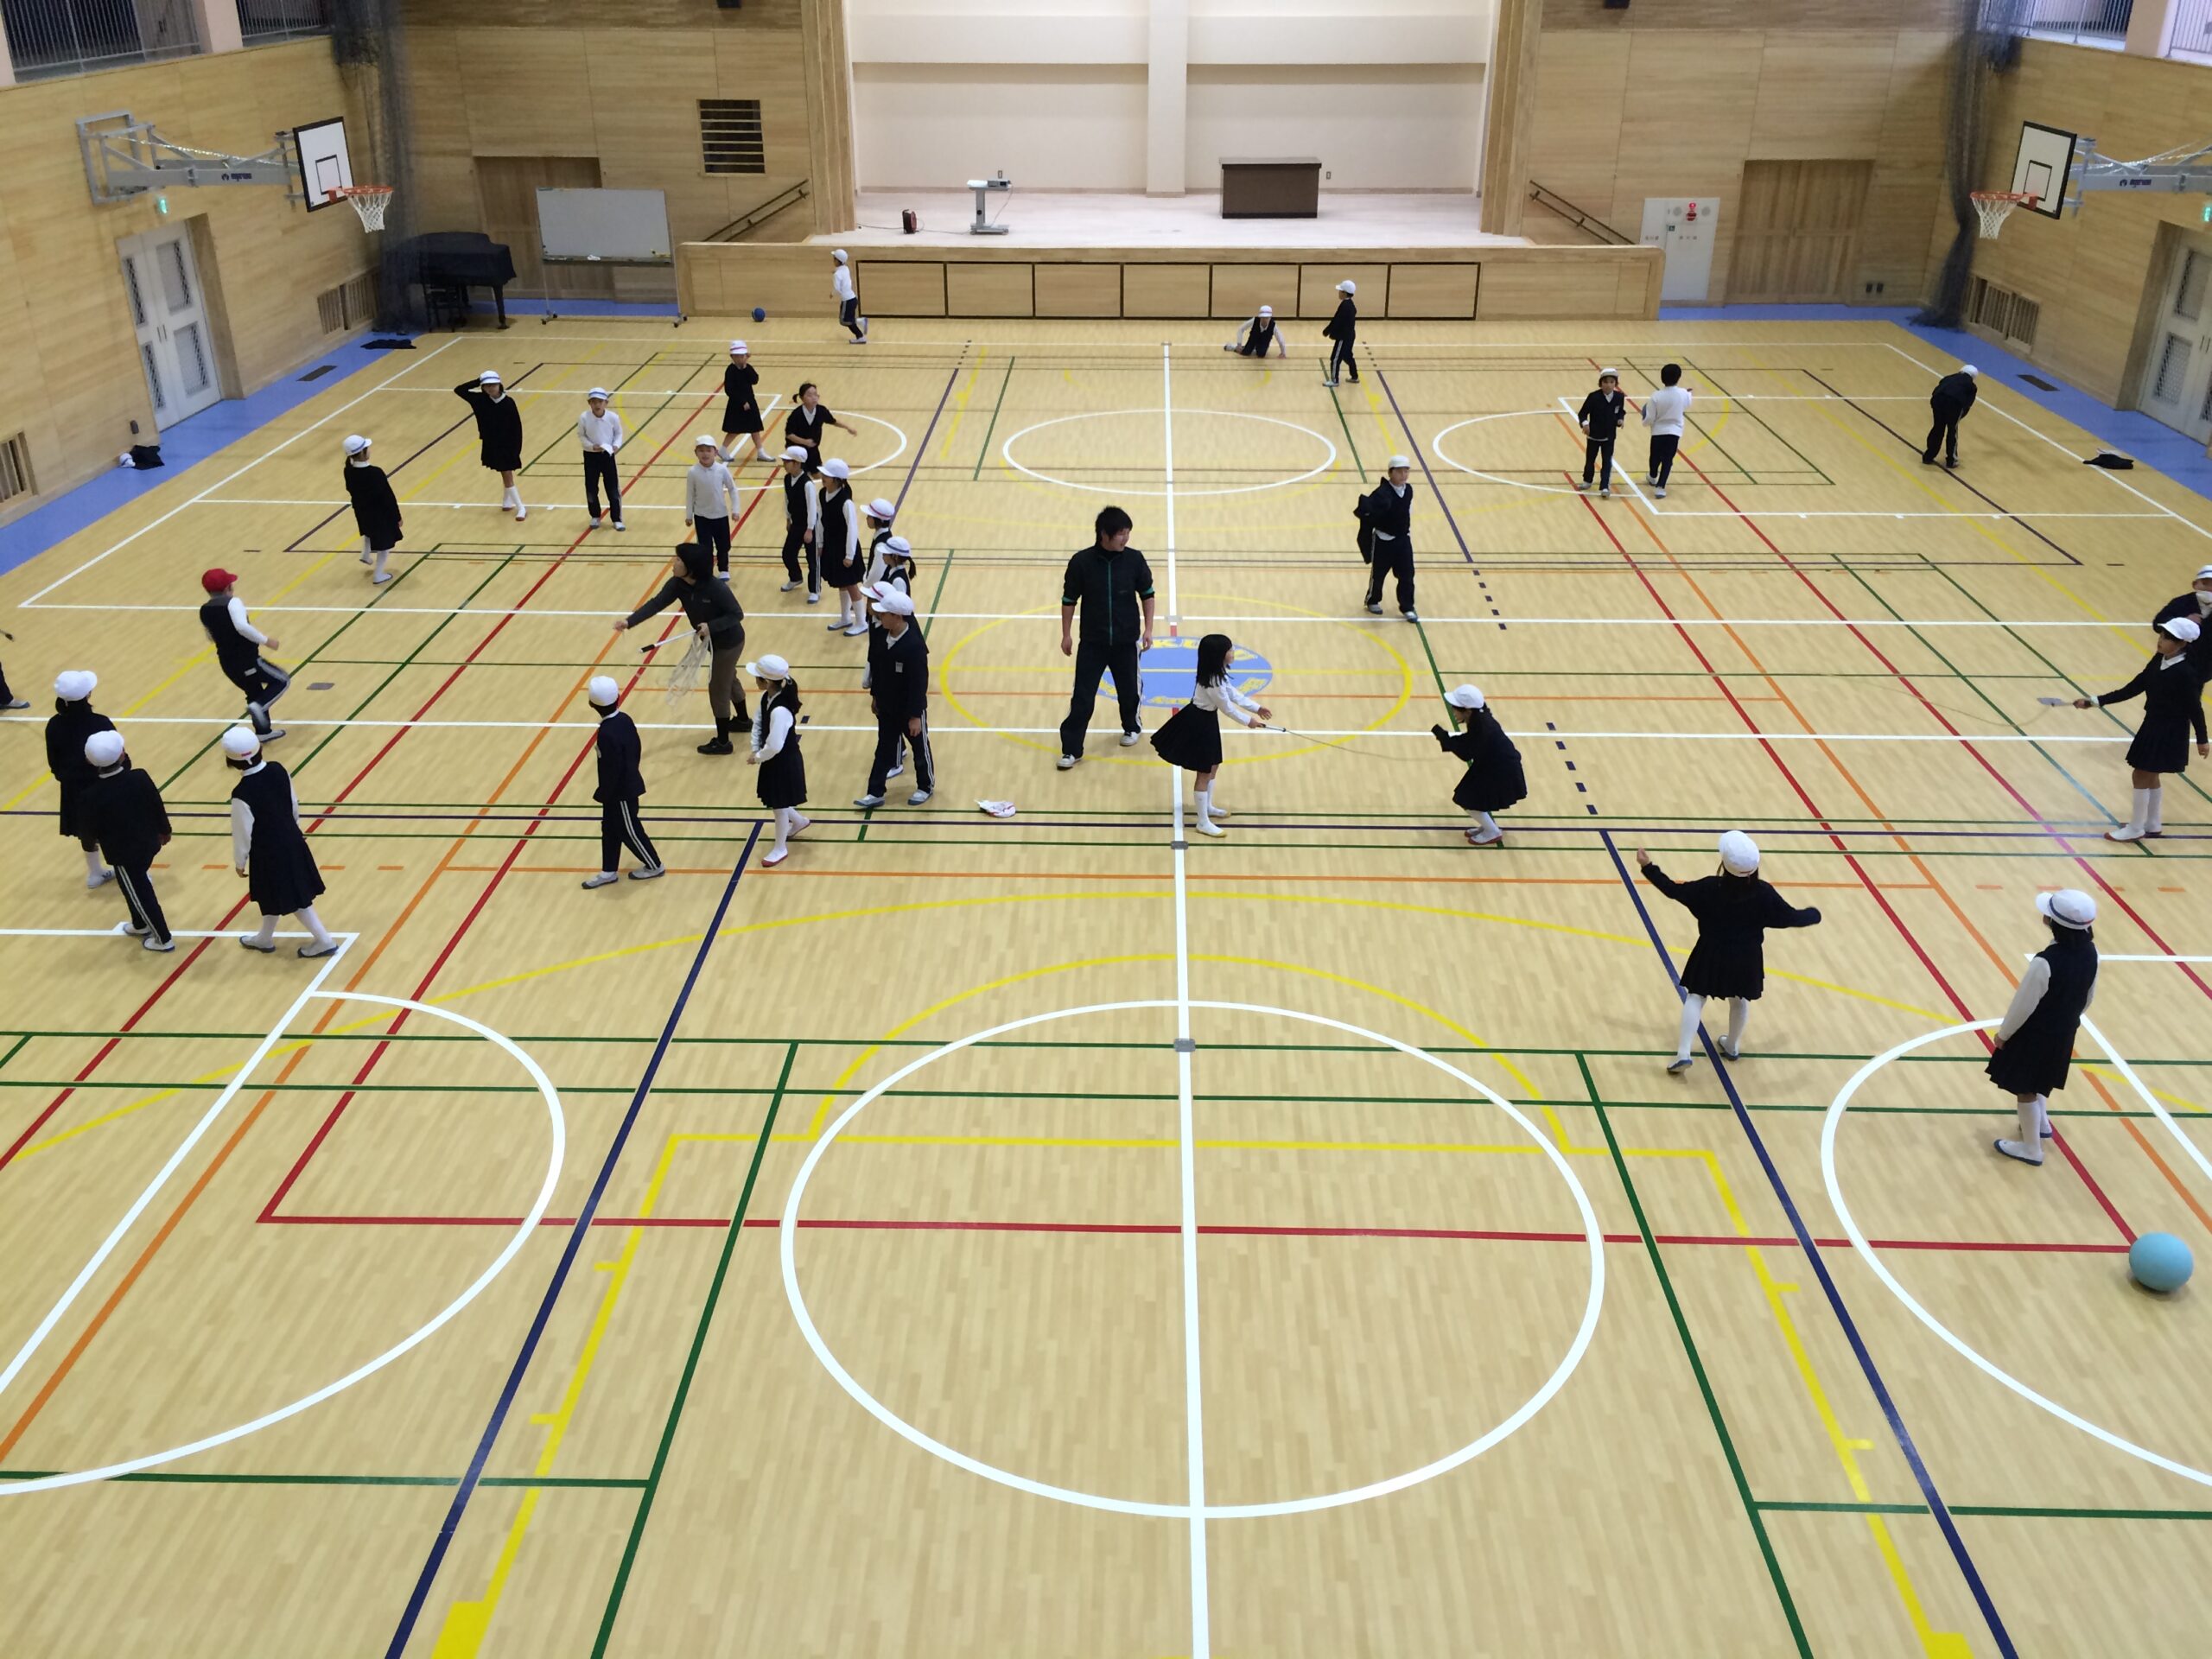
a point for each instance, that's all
(2043, 168)
(324, 162)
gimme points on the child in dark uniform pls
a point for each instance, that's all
(894, 565)
(621, 785)
(1601, 416)
(844, 563)
(270, 849)
(1257, 335)
(238, 645)
(498, 434)
(741, 417)
(808, 425)
(376, 508)
(123, 810)
(2036, 1041)
(776, 751)
(802, 525)
(72, 722)
(1344, 328)
(1733, 908)
(2172, 686)
(1191, 738)
(1493, 780)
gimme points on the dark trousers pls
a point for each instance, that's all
(600, 469)
(724, 694)
(1092, 658)
(618, 827)
(1341, 358)
(795, 544)
(848, 313)
(1394, 556)
(890, 734)
(138, 887)
(1664, 445)
(6, 695)
(713, 534)
(1595, 450)
(263, 684)
(1944, 432)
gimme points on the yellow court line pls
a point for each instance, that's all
(960, 408)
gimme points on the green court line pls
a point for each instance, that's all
(1739, 406)
(730, 1235)
(1998, 1511)
(1697, 1370)
(14, 1049)
(567, 433)
(1350, 444)
(984, 453)
(170, 1478)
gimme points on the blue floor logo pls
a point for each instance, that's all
(1171, 673)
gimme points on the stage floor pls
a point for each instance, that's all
(1087, 219)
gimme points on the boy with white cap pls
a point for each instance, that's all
(74, 721)
(1257, 333)
(891, 570)
(270, 849)
(1953, 396)
(123, 811)
(238, 645)
(2196, 606)
(1388, 520)
(602, 435)
(901, 695)
(1344, 328)
(498, 434)
(710, 501)
(848, 298)
(742, 410)
(880, 512)
(1601, 416)
(2172, 689)
(621, 785)
(1733, 908)
(1493, 779)
(802, 523)
(2030, 1050)
(844, 567)
(1665, 411)
(376, 508)
(775, 750)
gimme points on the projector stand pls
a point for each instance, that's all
(982, 187)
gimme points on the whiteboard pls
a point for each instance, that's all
(614, 224)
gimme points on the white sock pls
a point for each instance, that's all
(1739, 1015)
(1205, 797)
(2043, 1116)
(312, 923)
(265, 934)
(381, 557)
(2031, 1116)
(2141, 813)
(2154, 811)
(1485, 823)
(783, 828)
(510, 498)
(92, 865)
(1693, 1017)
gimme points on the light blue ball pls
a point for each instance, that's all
(2160, 1261)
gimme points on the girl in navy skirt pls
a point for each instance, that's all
(2172, 686)
(1192, 737)
(1734, 908)
(270, 849)
(2035, 1042)
(741, 416)
(1493, 780)
(776, 751)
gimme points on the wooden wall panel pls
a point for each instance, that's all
(1433, 290)
(1241, 290)
(973, 289)
(1566, 282)
(901, 288)
(1821, 96)
(1779, 15)
(1164, 290)
(1317, 288)
(1064, 290)
(1581, 86)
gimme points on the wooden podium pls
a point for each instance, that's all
(1271, 187)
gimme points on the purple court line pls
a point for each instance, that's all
(1413, 443)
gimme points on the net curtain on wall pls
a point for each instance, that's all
(1986, 41)
(370, 46)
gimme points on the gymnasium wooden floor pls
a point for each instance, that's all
(1289, 1339)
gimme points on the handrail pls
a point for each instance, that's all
(768, 209)
(1582, 220)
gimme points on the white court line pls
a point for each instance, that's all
(1213, 339)
(1167, 427)
(219, 483)
(422, 1333)
(2105, 956)
(2196, 1153)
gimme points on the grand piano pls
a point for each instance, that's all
(447, 264)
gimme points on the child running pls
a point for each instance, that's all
(1733, 908)
(1493, 779)
(376, 508)
(776, 751)
(238, 645)
(1191, 738)
(2032, 1048)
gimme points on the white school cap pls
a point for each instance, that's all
(489, 377)
(356, 444)
(882, 509)
(1397, 461)
(2068, 908)
(835, 468)
(797, 452)
(1739, 853)
(892, 602)
(596, 395)
(1266, 310)
(840, 256)
(769, 667)
(1968, 370)
(2205, 575)
(602, 692)
(75, 685)
(737, 348)
(1347, 286)
(703, 441)
(900, 546)
(103, 748)
(240, 744)
(1609, 374)
(2183, 629)
(1464, 697)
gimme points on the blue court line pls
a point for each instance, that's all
(1903, 1436)
(577, 1234)
(557, 308)
(922, 448)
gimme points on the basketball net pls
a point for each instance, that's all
(1995, 206)
(369, 200)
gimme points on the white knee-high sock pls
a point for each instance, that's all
(381, 557)
(2030, 1117)
(783, 828)
(2141, 812)
(312, 923)
(266, 933)
(2043, 1115)
(1205, 797)
(92, 865)
(1485, 826)
(1693, 1017)
(2154, 811)
(1739, 1015)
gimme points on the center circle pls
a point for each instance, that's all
(1329, 460)
(788, 1230)
(1170, 672)
(1436, 448)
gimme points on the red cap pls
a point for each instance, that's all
(216, 579)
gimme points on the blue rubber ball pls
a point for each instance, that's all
(2160, 1261)
(760, 313)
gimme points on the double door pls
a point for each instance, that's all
(2177, 381)
(169, 313)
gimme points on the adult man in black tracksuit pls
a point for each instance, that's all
(1110, 581)
(621, 785)
(123, 813)
(1389, 522)
(1342, 329)
(900, 689)
(1953, 396)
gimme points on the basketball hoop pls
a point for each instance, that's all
(369, 200)
(1995, 205)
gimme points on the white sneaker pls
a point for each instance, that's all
(252, 943)
(1675, 1068)
(1208, 827)
(648, 872)
(364, 556)
(2021, 1151)
(868, 800)
(98, 878)
(595, 523)
(1066, 762)
(811, 599)
(838, 626)
(2125, 832)
(133, 930)
(618, 525)
(856, 631)
(1660, 493)
(1410, 616)
(311, 951)
(158, 944)
(380, 578)
(774, 857)
(1606, 494)
(16, 702)
(897, 771)
(920, 798)
(721, 576)
(1583, 488)
(801, 823)
(787, 587)
(1374, 607)
(1130, 740)
(602, 879)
